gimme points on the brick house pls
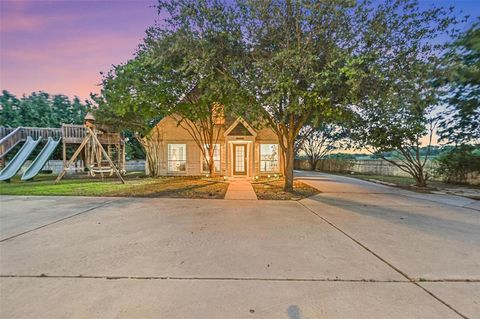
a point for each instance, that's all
(240, 151)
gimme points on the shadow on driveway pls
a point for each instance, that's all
(408, 215)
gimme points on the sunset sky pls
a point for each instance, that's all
(61, 46)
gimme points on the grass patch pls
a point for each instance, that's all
(409, 183)
(136, 186)
(397, 180)
(274, 190)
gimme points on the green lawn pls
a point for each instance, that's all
(136, 186)
(397, 180)
(408, 182)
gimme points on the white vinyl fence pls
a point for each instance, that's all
(56, 166)
(372, 167)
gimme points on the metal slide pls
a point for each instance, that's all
(17, 161)
(40, 161)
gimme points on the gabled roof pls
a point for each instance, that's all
(240, 125)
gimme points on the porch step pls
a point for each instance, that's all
(240, 189)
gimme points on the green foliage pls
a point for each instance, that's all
(345, 156)
(179, 70)
(132, 97)
(461, 122)
(288, 64)
(133, 148)
(430, 151)
(455, 164)
(40, 110)
(196, 50)
(317, 142)
(398, 95)
(132, 101)
(298, 65)
(9, 112)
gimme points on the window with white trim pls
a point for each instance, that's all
(216, 158)
(268, 157)
(177, 157)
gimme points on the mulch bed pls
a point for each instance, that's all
(273, 190)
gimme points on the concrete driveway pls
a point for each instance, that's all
(357, 250)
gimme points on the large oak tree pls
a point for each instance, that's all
(296, 64)
(288, 63)
(402, 57)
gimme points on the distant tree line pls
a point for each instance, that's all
(432, 151)
(423, 151)
(40, 109)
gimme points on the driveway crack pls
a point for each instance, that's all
(58, 220)
(411, 280)
(112, 277)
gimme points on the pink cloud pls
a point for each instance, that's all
(61, 46)
(77, 49)
(11, 24)
(68, 66)
(16, 17)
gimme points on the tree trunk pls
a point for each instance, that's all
(153, 161)
(313, 163)
(289, 163)
(152, 149)
(210, 160)
(420, 178)
(283, 161)
(211, 167)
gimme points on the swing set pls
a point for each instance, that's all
(95, 158)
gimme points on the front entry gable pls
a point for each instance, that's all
(240, 128)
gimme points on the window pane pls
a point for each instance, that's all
(240, 158)
(268, 157)
(177, 156)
